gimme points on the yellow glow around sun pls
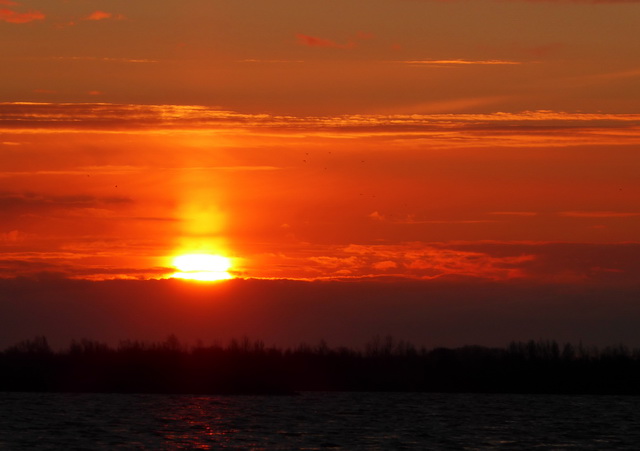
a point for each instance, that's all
(202, 267)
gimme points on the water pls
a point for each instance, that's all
(350, 421)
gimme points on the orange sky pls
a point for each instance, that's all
(314, 140)
(446, 171)
(103, 190)
(318, 57)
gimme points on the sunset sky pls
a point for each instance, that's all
(398, 141)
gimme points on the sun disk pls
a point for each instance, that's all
(202, 267)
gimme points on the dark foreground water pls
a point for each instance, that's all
(43, 421)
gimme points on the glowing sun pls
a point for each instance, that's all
(202, 267)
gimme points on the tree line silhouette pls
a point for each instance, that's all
(384, 364)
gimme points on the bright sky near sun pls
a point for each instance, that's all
(321, 139)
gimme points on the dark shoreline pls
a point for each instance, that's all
(385, 365)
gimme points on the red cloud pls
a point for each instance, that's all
(7, 15)
(99, 15)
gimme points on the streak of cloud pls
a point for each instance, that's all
(99, 15)
(413, 220)
(524, 129)
(547, 262)
(267, 61)
(515, 213)
(104, 59)
(11, 16)
(461, 62)
(40, 113)
(25, 202)
(599, 214)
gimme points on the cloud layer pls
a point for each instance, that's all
(105, 116)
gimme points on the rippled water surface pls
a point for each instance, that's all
(37, 421)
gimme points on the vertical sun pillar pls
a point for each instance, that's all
(199, 254)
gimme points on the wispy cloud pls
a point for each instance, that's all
(104, 59)
(529, 128)
(561, 262)
(599, 214)
(103, 15)
(451, 105)
(11, 16)
(95, 16)
(99, 15)
(514, 213)
(413, 220)
(460, 62)
(409, 260)
(121, 170)
(424, 260)
(28, 202)
(245, 168)
(59, 265)
(266, 61)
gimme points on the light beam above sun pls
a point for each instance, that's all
(202, 267)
